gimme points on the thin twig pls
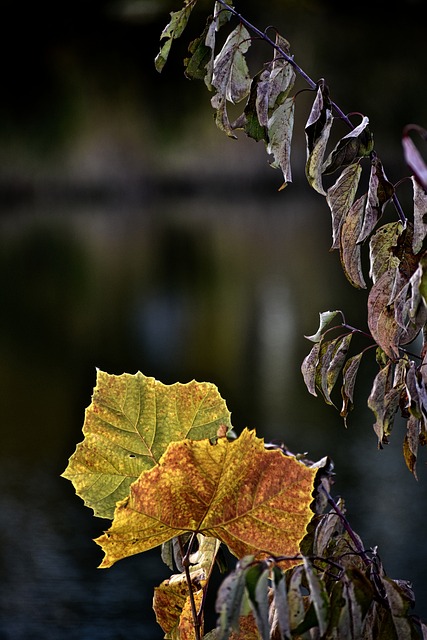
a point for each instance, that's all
(312, 84)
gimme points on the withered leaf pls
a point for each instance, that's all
(380, 191)
(356, 144)
(171, 598)
(309, 368)
(350, 250)
(326, 318)
(128, 426)
(384, 402)
(381, 319)
(382, 249)
(420, 216)
(318, 596)
(230, 76)
(280, 129)
(230, 73)
(410, 444)
(319, 115)
(331, 359)
(317, 131)
(219, 18)
(340, 198)
(349, 374)
(249, 120)
(173, 30)
(276, 81)
(200, 56)
(256, 501)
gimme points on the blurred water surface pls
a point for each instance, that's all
(134, 237)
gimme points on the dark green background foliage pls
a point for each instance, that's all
(134, 235)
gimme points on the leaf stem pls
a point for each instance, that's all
(186, 565)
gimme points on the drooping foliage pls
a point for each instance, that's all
(163, 463)
(392, 253)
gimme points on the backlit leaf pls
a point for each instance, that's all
(350, 250)
(256, 501)
(340, 198)
(326, 318)
(173, 30)
(128, 426)
(380, 191)
(356, 144)
(186, 622)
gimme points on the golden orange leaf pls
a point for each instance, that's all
(254, 500)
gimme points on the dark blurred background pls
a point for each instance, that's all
(135, 236)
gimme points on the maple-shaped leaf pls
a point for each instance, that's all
(256, 501)
(380, 191)
(173, 30)
(340, 198)
(128, 426)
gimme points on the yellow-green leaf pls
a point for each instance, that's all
(128, 426)
(256, 501)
